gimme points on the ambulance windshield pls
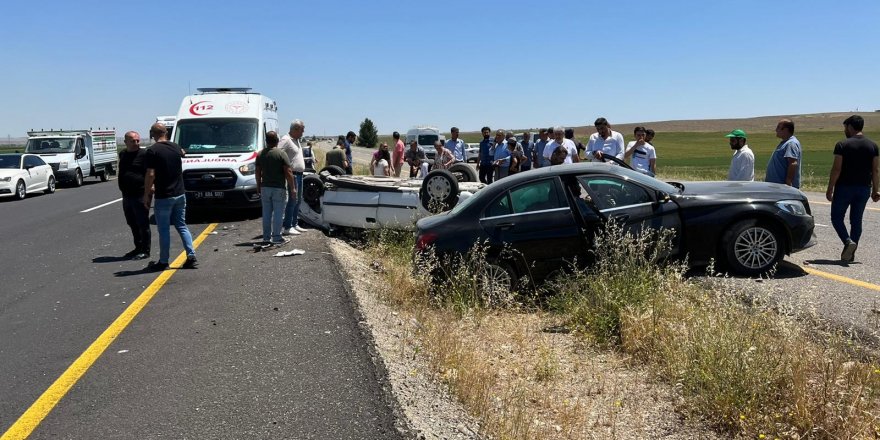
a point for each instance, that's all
(216, 135)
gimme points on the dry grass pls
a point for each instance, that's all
(521, 381)
(740, 367)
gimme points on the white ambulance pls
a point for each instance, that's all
(222, 130)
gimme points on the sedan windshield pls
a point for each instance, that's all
(10, 161)
(49, 145)
(217, 135)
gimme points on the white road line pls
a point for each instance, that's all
(101, 206)
(820, 224)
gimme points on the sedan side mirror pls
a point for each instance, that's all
(662, 197)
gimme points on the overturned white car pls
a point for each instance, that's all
(332, 200)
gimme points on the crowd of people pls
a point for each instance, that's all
(156, 172)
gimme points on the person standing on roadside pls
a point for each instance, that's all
(350, 139)
(132, 169)
(291, 143)
(742, 166)
(164, 180)
(500, 156)
(444, 158)
(569, 134)
(417, 160)
(605, 141)
(336, 156)
(456, 146)
(538, 159)
(853, 179)
(528, 150)
(275, 183)
(485, 157)
(785, 162)
(397, 157)
(560, 140)
(641, 154)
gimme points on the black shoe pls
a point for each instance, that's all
(849, 251)
(191, 263)
(141, 256)
(131, 253)
(156, 266)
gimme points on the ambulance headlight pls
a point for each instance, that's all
(248, 169)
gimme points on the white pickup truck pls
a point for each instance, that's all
(76, 154)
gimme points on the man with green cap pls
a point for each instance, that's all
(742, 166)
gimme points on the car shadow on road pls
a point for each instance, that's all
(784, 270)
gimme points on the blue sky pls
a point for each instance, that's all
(506, 64)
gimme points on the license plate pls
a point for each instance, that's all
(208, 194)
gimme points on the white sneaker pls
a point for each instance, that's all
(300, 229)
(289, 231)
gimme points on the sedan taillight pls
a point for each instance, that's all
(424, 240)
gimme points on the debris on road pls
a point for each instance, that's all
(289, 253)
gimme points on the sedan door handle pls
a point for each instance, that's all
(504, 226)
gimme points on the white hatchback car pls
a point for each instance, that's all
(24, 173)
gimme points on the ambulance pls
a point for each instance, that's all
(221, 130)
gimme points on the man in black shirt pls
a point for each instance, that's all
(131, 182)
(164, 179)
(853, 179)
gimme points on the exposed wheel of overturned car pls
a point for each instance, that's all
(752, 248)
(313, 189)
(331, 170)
(439, 191)
(463, 172)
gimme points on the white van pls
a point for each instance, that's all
(222, 130)
(425, 136)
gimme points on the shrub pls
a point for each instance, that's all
(368, 135)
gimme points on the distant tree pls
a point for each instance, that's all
(369, 135)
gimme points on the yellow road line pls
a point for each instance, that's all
(829, 204)
(840, 278)
(25, 425)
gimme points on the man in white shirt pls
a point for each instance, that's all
(290, 144)
(605, 141)
(456, 146)
(642, 155)
(560, 140)
(742, 166)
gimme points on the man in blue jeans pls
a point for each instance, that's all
(853, 179)
(273, 171)
(291, 143)
(164, 180)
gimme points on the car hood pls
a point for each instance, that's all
(9, 172)
(740, 191)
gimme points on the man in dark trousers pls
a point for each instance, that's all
(164, 179)
(131, 182)
(275, 184)
(852, 181)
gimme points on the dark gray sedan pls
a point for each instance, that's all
(548, 218)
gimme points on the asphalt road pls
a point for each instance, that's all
(246, 346)
(816, 281)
